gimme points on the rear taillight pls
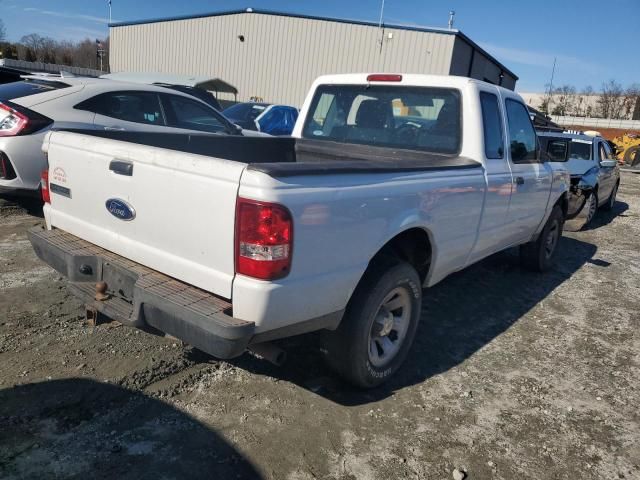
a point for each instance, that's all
(264, 239)
(384, 77)
(44, 186)
(12, 121)
(17, 120)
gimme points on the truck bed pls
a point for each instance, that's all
(286, 156)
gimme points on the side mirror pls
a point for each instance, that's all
(608, 163)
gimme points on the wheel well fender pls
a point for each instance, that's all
(413, 246)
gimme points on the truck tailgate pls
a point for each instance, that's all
(170, 211)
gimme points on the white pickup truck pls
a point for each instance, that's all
(389, 184)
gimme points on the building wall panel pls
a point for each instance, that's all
(280, 56)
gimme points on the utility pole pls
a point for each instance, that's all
(553, 72)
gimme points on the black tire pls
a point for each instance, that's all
(347, 349)
(611, 201)
(592, 210)
(539, 255)
(632, 156)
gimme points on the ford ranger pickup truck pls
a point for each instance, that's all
(389, 184)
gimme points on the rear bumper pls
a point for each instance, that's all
(141, 297)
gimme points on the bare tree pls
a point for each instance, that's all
(582, 106)
(630, 100)
(565, 100)
(3, 31)
(34, 45)
(611, 101)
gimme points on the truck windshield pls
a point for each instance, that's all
(415, 118)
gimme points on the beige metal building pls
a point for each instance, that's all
(276, 56)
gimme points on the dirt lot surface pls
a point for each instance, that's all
(513, 376)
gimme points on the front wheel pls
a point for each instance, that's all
(540, 254)
(591, 207)
(379, 325)
(612, 198)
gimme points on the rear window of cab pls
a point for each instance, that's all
(414, 118)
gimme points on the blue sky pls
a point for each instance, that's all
(592, 43)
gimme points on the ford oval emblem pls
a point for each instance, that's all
(120, 209)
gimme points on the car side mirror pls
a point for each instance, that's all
(608, 163)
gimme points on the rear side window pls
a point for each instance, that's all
(492, 120)
(25, 88)
(522, 136)
(138, 107)
(580, 150)
(415, 118)
(186, 113)
(557, 150)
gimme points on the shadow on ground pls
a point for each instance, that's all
(80, 428)
(20, 204)
(459, 316)
(603, 217)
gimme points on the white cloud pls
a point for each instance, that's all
(73, 16)
(538, 59)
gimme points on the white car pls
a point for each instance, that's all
(33, 106)
(389, 184)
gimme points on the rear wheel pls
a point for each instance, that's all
(612, 198)
(540, 254)
(379, 325)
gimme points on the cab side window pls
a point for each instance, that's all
(492, 121)
(522, 137)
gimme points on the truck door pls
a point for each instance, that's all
(531, 176)
(495, 233)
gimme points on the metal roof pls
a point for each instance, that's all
(413, 28)
(149, 78)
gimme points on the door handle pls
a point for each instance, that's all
(518, 180)
(114, 129)
(121, 167)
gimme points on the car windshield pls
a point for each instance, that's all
(580, 150)
(245, 111)
(24, 88)
(416, 118)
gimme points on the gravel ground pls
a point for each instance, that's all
(513, 376)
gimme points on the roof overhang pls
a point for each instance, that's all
(206, 83)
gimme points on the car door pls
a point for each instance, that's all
(126, 110)
(531, 177)
(606, 177)
(495, 233)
